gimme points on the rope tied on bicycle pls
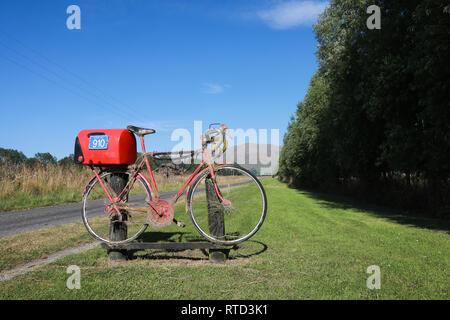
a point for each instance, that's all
(218, 137)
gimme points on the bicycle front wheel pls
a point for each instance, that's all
(99, 215)
(234, 212)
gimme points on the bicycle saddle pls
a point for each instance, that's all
(140, 131)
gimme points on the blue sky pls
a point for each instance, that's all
(158, 64)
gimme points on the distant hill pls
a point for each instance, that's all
(261, 157)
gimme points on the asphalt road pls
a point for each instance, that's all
(14, 222)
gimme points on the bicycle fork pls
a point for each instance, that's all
(111, 200)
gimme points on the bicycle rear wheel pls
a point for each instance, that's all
(99, 215)
(238, 217)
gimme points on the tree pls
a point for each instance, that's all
(32, 162)
(377, 108)
(45, 158)
(11, 156)
(306, 153)
(67, 161)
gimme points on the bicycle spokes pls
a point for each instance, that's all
(100, 213)
(229, 209)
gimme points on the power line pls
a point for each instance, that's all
(58, 76)
(79, 77)
(64, 87)
(135, 113)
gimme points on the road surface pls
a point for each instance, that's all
(14, 222)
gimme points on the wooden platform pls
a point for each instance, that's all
(216, 223)
(217, 253)
(165, 246)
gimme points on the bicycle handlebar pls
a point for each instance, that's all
(218, 137)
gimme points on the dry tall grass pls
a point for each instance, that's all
(23, 187)
(40, 180)
(26, 187)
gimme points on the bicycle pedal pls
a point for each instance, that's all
(181, 224)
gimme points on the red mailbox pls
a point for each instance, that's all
(105, 147)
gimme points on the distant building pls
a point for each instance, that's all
(268, 171)
(259, 159)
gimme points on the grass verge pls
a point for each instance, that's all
(309, 247)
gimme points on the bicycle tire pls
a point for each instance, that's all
(230, 236)
(88, 218)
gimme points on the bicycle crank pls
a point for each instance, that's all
(179, 223)
(160, 213)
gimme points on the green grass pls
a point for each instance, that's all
(310, 247)
(24, 200)
(28, 246)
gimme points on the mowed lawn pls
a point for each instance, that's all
(311, 246)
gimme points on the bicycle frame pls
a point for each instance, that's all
(136, 171)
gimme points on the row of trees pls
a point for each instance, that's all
(11, 156)
(14, 157)
(376, 115)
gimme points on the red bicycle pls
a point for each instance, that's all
(228, 189)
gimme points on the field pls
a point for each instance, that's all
(311, 246)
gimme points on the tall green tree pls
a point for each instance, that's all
(11, 156)
(67, 161)
(378, 106)
(45, 158)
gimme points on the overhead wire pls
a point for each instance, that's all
(118, 110)
(61, 86)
